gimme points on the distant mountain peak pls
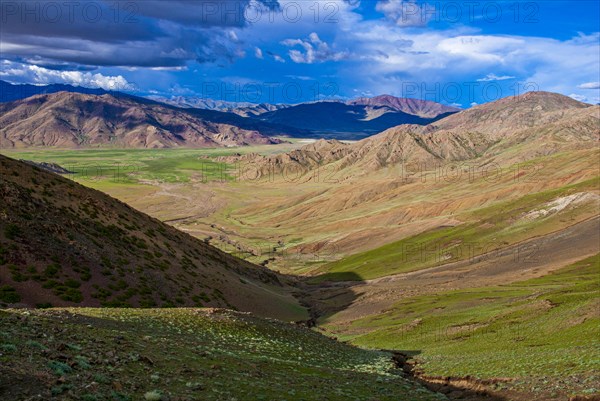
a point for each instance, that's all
(540, 122)
(416, 107)
(536, 100)
(11, 92)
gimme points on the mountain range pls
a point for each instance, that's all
(57, 119)
(11, 92)
(541, 123)
(351, 119)
(71, 120)
(340, 120)
(244, 109)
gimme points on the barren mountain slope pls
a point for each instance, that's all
(421, 108)
(65, 244)
(332, 199)
(538, 123)
(70, 120)
(511, 114)
(537, 119)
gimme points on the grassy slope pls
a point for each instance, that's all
(167, 184)
(484, 230)
(185, 354)
(539, 331)
(130, 166)
(64, 244)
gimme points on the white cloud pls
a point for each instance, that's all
(459, 55)
(315, 50)
(481, 48)
(589, 85)
(494, 77)
(182, 68)
(258, 53)
(405, 13)
(24, 73)
(278, 58)
(299, 77)
(560, 66)
(578, 97)
(585, 99)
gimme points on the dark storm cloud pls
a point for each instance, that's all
(85, 20)
(148, 33)
(168, 51)
(55, 66)
(223, 13)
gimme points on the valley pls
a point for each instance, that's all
(280, 200)
(452, 252)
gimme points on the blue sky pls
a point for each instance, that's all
(291, 51)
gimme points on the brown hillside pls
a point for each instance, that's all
(514, 113)
(64, 244)
(71, 120)
(540, 123)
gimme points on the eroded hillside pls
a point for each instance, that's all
(65, 244)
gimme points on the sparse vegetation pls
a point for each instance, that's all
(12, 231)
(194, 354)
(536, 331)
(107, 264)
(485, 231)
(9, 294)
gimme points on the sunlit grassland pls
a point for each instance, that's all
(131, 166)
(166, 165)
(169, 183)
(484, 230)
(545, 328)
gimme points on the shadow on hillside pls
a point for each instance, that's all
(328, 294)
(454, 388)
(14, 384)
(332, 293)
